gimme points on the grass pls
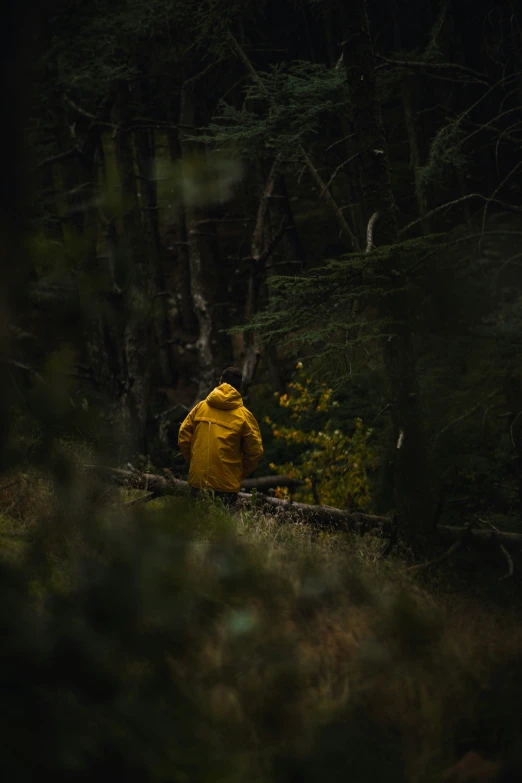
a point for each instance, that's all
(297, 655)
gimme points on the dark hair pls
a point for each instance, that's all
(233, 376)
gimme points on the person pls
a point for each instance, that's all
(221, 440)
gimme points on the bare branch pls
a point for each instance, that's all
(508, 207)
(346, 138)
(337, 170)
(455, 123)
(79, 109)
(483, 125)
(324, 189)
(369, 232)
(420, 65)
(272, 245)
(160, 124)
(458, 241)
(464, 415)
(486, 415)
(506, 263)
(325, 192)
(199, 75)
(262, 211)
(511, 565)
(511, 428)
(437, 560)
(499, 187)
(505, 80)
(248, 65)
(58, 158)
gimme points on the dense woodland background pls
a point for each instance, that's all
(327, 195)
(185, 157)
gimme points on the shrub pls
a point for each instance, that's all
(334, 465)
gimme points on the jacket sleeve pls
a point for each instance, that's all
(251, 445)
(186, 431)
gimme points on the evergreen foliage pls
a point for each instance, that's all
(290, 102)
(445, 157)
(332, 307)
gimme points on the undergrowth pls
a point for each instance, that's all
(170, 641)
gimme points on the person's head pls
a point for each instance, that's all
(232, 376)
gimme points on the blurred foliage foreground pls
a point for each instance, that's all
(171, 642)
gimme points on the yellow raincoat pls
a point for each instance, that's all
(221, 438)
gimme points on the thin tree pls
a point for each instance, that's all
(411, 473)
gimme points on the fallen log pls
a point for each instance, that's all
(320, 516)
(263, 483)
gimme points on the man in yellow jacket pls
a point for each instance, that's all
(221, 439)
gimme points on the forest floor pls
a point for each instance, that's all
(432, 657)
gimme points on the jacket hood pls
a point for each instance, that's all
(225, 397)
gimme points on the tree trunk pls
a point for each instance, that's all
(513, 395)
(188, 318)
(353, 207)
(99, 296)
(149, 207)
(15, 266)
(196, 253)
(326, 193)
(102, 302)
(276, 248)
(260, 241)
(411, 475)
(139, 295)
(407, 83)
(287, 257)
(415, 154)
(289, 253)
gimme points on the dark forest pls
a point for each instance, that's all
(326, 195)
